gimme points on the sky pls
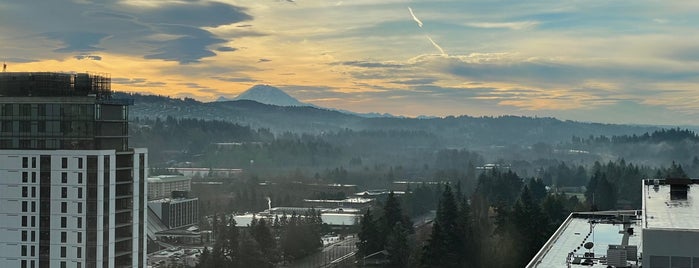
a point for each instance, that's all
(606, 61)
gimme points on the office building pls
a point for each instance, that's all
(176, 212)
(72, 191)
(162, 186)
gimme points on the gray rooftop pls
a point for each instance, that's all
(662, 212)
(167, 178)
(607, 229)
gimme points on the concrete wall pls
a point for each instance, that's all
(670, 248)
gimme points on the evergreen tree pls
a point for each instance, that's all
(262, 234)
(397, 246)
(445, 246)
(368, 236)
(531, 227)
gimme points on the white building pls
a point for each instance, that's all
(162, 186)
(671, 223)
(72, 193)
(176, 212)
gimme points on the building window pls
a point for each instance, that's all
(33, 266)
(6, 126)
(33, 206)
(31, 252)
(33, 221)
(33, 236)
(80, 237)
(80, 163)
(63, 264)
(64, 207)
(64, 162)
(24, 250)
(64, 177)
(64, 222)
(80, 192)
(25, 126)
(80, 178)
(33, 191)
(23, 264)
(80, 222)
(64, 192)
(41, 109)
(25, 177)
(25, 109)
(24, 206)
(24, 235)
(64, 237)
(33, 177)
(79, 252)
(80, 207)
(79, 265)
(63, 254)
(33, 162)
(25, 162)
(24, 221)
(25, 191)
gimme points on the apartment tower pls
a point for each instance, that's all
(72, 191)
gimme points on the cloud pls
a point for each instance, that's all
(519, 25)
(77, 41)
(137, 82)
(237, 79)
(226, 49)
(88, 57)
(416, 81)
(263, 60)
(124, 27)
(370, 64)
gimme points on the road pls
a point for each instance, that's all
(332, 253)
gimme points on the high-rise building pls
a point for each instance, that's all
(72, 191)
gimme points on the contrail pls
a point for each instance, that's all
(437, 46)
(419, 23)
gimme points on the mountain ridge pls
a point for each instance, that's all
(461, 131)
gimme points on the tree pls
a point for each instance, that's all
(531, 226)
(445, 246)
(261, 233)
(397, 246)
(369, 240)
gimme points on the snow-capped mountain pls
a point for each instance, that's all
(269, 95)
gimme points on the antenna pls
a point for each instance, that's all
(4, 66)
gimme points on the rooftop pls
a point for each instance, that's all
(663, 209)
(167, 178)
(604, 229)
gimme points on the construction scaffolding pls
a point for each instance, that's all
(19, 84)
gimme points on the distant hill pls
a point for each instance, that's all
(269, 95)
(461, 131)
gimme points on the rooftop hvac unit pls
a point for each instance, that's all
(618, 255)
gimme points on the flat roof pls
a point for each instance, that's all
(661, 212)
(354, 200)
(167, 178)
(607, 229)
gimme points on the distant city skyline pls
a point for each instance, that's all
(600, 61)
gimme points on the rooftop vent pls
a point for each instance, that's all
(678, 188)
